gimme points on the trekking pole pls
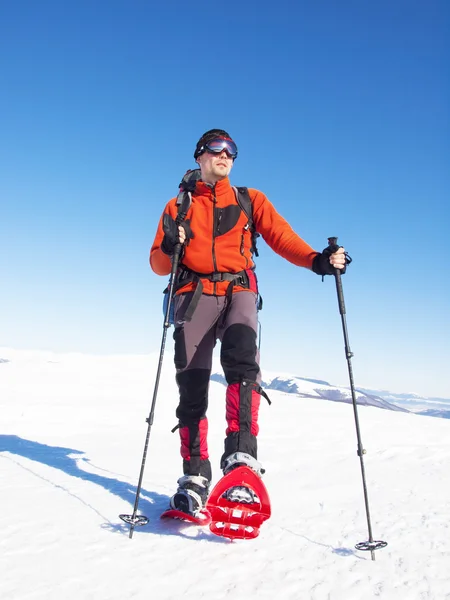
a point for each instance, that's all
(370, 544)
(135, 519)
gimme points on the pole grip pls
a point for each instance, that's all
(333, 246)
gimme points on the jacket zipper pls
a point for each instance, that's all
(214, 234)
(243, 246)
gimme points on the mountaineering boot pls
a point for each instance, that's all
(239, 493)
(241, 459)
(191, 494)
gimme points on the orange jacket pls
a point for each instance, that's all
(230, 252)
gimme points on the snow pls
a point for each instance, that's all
(73, 431)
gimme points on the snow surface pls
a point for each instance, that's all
(73, 430)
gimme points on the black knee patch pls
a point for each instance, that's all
(238, 353)
(193, 387)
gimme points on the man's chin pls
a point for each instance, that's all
(222, 173)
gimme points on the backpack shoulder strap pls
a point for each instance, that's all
(183, 204)
(245, 202)
(184, 198)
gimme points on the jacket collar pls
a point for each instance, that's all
(221, 188)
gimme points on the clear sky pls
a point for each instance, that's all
(341, 114)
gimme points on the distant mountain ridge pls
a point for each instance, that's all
(322, 390)
(305, 387)
(426, 406)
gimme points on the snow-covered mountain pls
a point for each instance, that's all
(422, 405)
(303, 387)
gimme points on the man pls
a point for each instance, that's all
(216, 298)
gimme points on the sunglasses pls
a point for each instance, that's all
(218, 145)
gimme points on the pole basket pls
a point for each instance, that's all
(376, 545)
(136, 520)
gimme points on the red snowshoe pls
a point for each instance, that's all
(236, 519)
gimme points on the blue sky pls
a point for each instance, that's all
(341, 115)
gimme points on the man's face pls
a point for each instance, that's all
(214, 167)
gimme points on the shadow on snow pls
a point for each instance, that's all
(152, 504)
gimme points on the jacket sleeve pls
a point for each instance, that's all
(159, 261)
(278, 234)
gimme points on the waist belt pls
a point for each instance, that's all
(186, 276)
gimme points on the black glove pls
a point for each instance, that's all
(171, 234)
(321, 263)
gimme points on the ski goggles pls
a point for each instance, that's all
(218, 145)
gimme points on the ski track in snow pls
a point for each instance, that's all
(73, 432)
